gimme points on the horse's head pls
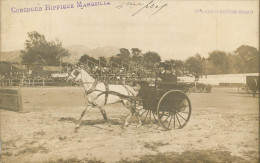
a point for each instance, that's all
(75, 74)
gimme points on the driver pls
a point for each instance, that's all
(166, 74)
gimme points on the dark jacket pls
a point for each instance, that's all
(167, 77)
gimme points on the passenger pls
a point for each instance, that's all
(166, 75)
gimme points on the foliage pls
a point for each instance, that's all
(5, 67)
(103, 61)
(194, 64)
(86, 59)
(39, 50)
(136, 55)
(245, 59)
(220, 62)
(116, 62)
(124, 55)
(249, 58)
(150, 59)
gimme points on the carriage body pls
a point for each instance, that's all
(150, 94)
(166, 101)
(252, 83)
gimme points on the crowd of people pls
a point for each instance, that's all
(116, 75)
(21, 78)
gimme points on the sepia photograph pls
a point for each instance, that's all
(129, 81)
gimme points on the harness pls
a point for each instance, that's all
(130, 95)
(93, 88)
(107, 92)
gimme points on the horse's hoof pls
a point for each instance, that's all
(123, 127)
(138, 126)
(76, 129)
(126, 124)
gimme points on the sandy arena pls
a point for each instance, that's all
(224, 127)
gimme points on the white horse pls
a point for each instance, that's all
(100, 94)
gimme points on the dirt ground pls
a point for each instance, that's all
(224, 121)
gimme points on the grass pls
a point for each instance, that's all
(10, 143)
(37, 149)
(40, 133)
(253, 155)
(154, 145)
(7, 154)
(195, 156)
(75, 160)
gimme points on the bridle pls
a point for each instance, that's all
(73, 74)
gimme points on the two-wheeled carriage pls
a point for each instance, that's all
(166, 103)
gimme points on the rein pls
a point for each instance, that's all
(93, 88)
(106, 91)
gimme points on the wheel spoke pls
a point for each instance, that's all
(150, 116)
(184, 112)
(170, 121)
(167, 118)
(174, 121)
(182, 117)
(154, 116)
(171, 106)
(146, 116)
(178, 120)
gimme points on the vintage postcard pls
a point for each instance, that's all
(144, 81)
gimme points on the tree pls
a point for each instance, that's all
(249, 57)
(136, 55)
(38, 50)
(176, 64)
(150, 59)
(220, 62)
(86, 59)
(235, 63)
(103, 61)
(5, 68)
(194, 64)
(116, 61)
(124, 55)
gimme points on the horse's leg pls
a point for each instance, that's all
(138, 116)
(133, 109)
(82, 114)
(103, 112)
(130, 108)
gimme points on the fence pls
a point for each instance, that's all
(28, 82)
(226, 79)
(11, 99)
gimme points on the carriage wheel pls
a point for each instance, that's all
(147, 116)
(174, 110)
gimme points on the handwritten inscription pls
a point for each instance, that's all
(140, 6)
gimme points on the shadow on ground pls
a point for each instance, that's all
(91, 122)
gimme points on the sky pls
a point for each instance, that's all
(178, 30)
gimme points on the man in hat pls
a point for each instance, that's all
(166, 74)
